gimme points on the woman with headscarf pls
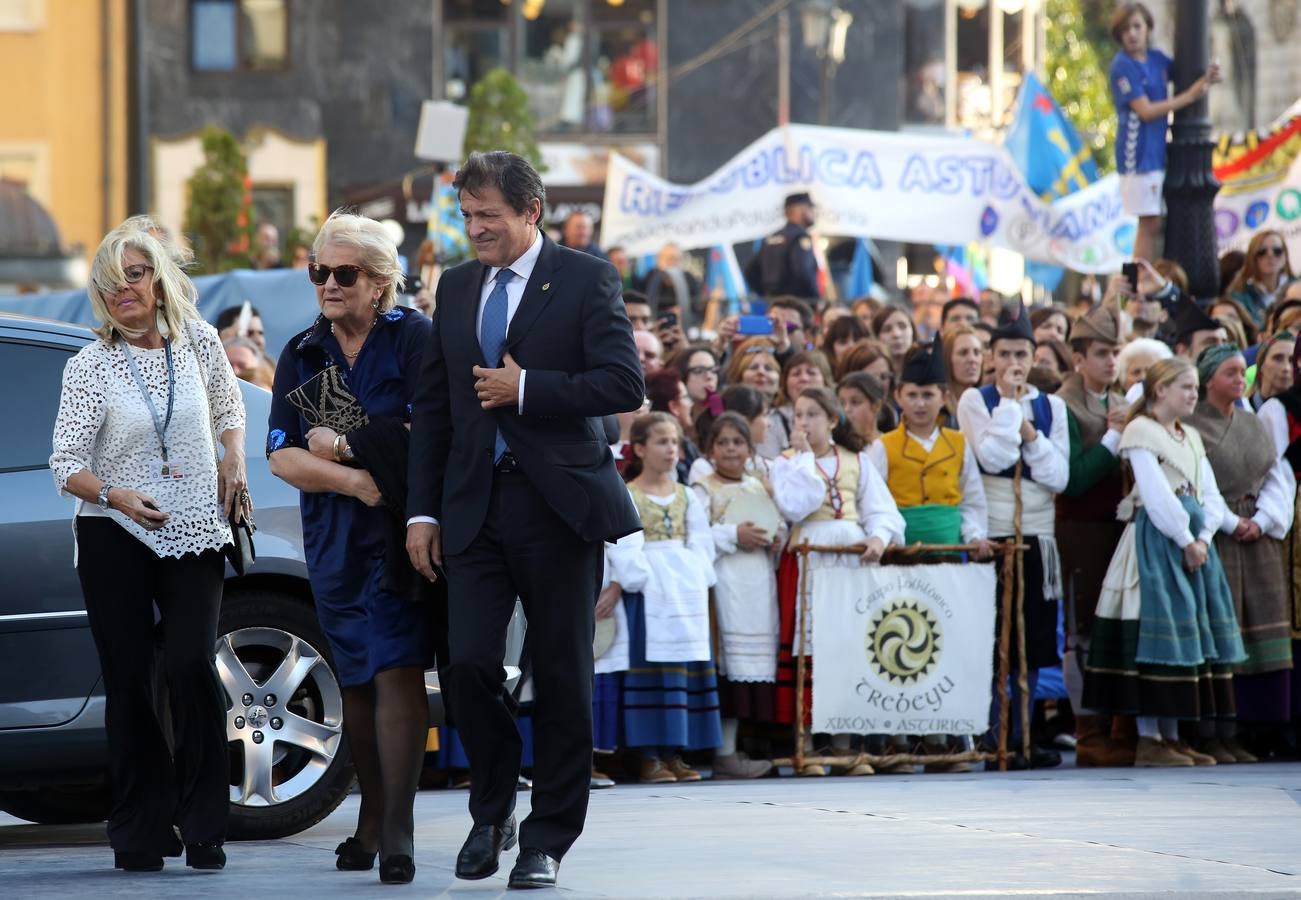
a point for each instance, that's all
(1259, 492)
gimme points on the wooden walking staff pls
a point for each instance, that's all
(1022, 676)
(803, 606)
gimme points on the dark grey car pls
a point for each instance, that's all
(289, 764)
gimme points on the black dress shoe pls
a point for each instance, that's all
(205, 855)
(478, 856)
(130, 861)
(397, 869)
(533, 869)
(353, 857)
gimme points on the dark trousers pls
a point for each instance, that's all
(122, 581)
(524, 549)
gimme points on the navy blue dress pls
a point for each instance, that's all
(369, 628)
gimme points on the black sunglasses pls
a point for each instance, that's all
(344, 276)
(1277, 251)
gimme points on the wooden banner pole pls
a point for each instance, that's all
(1023, 674)
(802, 611)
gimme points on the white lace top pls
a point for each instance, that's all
(105, 426)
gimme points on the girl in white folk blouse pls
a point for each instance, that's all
(140, 415)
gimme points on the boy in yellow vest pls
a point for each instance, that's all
(934, 478)
(931, 470)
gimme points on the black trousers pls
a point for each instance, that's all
(122, 581)
(525, 550)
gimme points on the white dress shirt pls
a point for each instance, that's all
(523, 269)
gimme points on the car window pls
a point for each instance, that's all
(28, 406)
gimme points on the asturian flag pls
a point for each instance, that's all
(1051, 154)
(1046, 146)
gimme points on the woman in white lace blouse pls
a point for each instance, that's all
(142, 411)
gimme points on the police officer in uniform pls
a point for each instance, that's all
(785, 264)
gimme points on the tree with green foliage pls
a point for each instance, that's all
(1078, 54)
(500, 118)
(219, 219)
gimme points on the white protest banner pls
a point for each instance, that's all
(1260, 184)
(910, 653)
(934, 189)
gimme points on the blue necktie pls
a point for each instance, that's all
(492, 338)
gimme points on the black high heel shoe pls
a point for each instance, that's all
(131, 861)
(397, 869)
(353, 857)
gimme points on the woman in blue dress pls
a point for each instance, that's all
(353, 373)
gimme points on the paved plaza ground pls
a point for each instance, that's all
(1227, 831)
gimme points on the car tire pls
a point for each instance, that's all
(290, 766)
(58, 805)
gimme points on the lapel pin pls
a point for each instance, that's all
(547, 286)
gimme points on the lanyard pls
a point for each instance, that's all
(160, 426)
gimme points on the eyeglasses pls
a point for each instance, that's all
(702, 370)
(1277, 251)
(344, 276)
(133, 274)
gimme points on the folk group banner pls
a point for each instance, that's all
(905, 650)
(1260, 184)
(934, 189)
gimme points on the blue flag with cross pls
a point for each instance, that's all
(1043, 142)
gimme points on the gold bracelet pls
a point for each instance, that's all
(338, 439)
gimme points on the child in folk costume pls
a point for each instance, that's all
(933, 476)
(1008, 423)
(1259, 491)
(670, 692)
(752, 406)
(1165, 635)
(834, 496)
(746, 526)
(610, 652)
(1087, 530)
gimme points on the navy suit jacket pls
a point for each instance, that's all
(572, 336)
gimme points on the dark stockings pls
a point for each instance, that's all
(386, 722)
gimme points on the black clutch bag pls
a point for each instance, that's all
(326, 400)
(240, 551)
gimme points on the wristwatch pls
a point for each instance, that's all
(102, 499)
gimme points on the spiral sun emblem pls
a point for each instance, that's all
(903, 642)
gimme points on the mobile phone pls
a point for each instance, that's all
(668, 320)
(754, 325)
(1130, 271)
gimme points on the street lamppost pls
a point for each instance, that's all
(824, 26)
(1190, 184)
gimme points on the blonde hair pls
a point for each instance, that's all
(379, 255)
(1159, 374)
(174, 292)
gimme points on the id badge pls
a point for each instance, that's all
(164, 470)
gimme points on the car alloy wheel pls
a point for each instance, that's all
(285, 714)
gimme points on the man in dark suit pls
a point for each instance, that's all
(513, 489)
(785, 264)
